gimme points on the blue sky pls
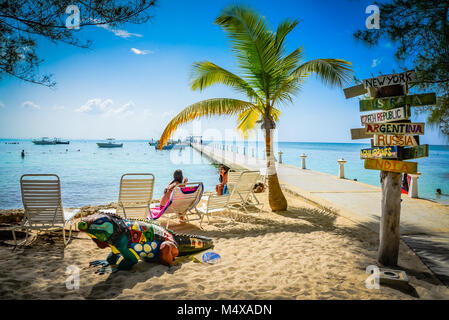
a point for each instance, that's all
(134, 79)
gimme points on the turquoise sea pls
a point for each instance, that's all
(91, 175)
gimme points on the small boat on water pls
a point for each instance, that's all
(47, 141)
(166, 147)
(44, 141)
(59, 141)
(109, 144)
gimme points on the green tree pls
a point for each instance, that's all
(420, 29)
(270, 77)
(23, 21)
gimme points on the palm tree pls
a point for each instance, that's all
(270, 77)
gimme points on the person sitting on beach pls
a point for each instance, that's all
(221, 188)
(177, 179)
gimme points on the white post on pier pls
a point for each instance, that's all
(252, 151)
(413, 190)
(280, 156)
(341, 170)
(303, 157)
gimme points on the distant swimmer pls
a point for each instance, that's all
(440, 194)
(23, 154)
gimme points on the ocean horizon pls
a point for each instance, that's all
(91, 175)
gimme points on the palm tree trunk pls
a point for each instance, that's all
(275, 196)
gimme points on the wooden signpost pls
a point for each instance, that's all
(390, 79)
(360, 133)
(397, 114)
(355, 91)
(391, 165)
(420, 151)
(411, 129)
(394, 139)
(382, 140)
(387, 103)
(380, 153)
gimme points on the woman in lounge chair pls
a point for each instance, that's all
(221, 188)
(177, 179)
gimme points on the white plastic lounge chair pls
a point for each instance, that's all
(136, 193)
(214, 203)
(41, 198)
(183, 200)
(233, 177)
(242, 194)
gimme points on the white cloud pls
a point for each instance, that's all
(31, 105)
(58, 108)
(376, 62)
(125, 109)
(105, 107)
(143, 52)
(95, 106)
(117, 32)
(2, 105)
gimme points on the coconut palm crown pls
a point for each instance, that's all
(269, 77)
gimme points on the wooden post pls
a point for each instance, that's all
(389, 222)
(389, 235)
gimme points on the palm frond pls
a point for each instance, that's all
(205, 108)
(247, 120)
(205, 74)
(284, 84)
(332, 72)
(283, 29)
(252, 41)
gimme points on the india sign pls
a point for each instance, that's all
(391, 165)
(382, 140)
(395, 128)
(386, 116)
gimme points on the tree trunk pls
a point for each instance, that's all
(275, 196)
(389, 222)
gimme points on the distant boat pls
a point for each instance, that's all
(44, 141)
(153, 143)
(59, 141)
(168, 146)
(109, 144)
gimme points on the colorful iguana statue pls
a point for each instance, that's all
(137, 239)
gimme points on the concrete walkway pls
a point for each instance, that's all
(360, 202)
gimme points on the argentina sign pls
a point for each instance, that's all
(395, 128)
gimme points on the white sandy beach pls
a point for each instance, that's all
(304, 253)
